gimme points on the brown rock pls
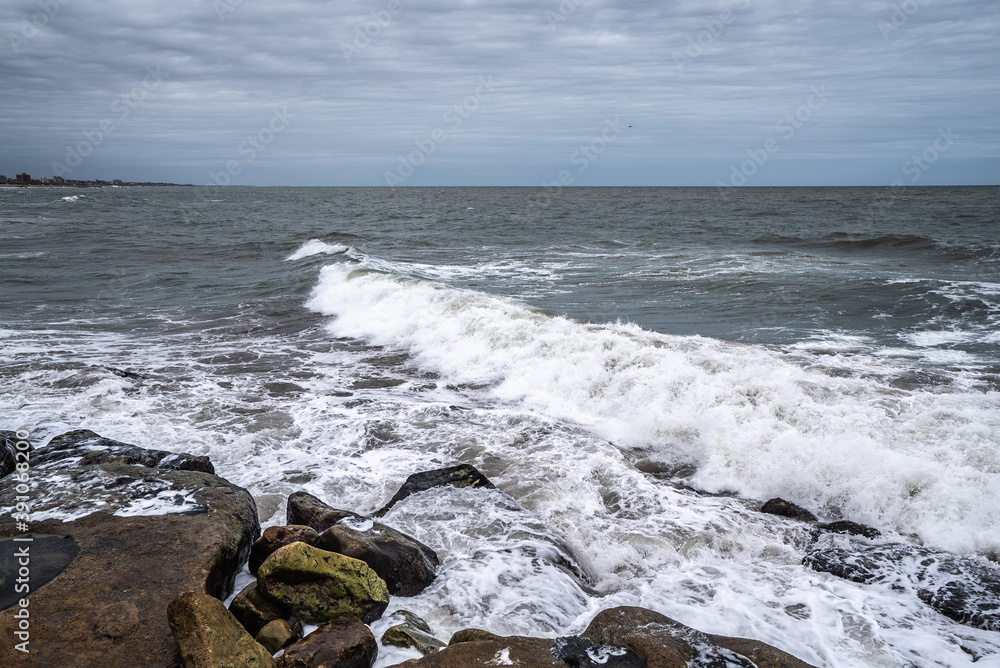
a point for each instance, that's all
(278, 635)
(208, 636)
(472, 635)
(254, 611)
(407, 565)
(306, 509)
(344, 642)
(275, 537)
(665, 643)
(512, 651)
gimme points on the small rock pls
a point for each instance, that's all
(410, 619)
(344, 642)
(407, 565)
(278, 634)
(850, 528)
(463, 475)
(787, 509)
(208, 636)
(405, 635)
(255, 611)
(320, 585)
(8, 451)
(306, 509)
(275, 537)
(472, 635)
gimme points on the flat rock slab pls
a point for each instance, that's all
(44, 556)
(463, 475)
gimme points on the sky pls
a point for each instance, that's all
(483, 92)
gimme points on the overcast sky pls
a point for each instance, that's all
(485, 92)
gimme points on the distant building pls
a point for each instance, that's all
(24, 178)
(58, 180)
(3, 179)
(117, 182)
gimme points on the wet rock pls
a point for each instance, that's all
(406, 564)
(9, 450)
(850, 528)
(305, 509)
(472, 635)
(788, 509)
(512, 651)
(580, 653)
(208, 636)
(412, 632)
(339, 643)
(463, 475)
(965, 589)
(255, 611)
(278, 634)
(320, 585)
(144, 534)
(49, 556)
(662, 642)
(275, 537)
(85, 448)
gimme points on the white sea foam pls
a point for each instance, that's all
(316, 247)
(749, 420)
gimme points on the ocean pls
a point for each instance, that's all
(636, 369)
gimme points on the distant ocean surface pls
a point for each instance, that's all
(636, 368)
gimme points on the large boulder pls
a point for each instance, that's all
(511, 651)
(305, 509)
(662, 642)
(208, 636)
(406, 564)
(320, 585)
(965, 589)
(339, 643)
(463, 475)
(85, 448)
(138, 536)
(275, 537)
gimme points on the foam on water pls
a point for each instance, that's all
(748, 420)
(316, 247)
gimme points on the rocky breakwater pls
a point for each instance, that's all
(117, 532)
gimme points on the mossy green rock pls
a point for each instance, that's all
(208, 636)
(404, 635)
(320, 585)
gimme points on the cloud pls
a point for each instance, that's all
(701, 83)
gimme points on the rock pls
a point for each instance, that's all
(407, 635)
(787, 509)
(208, 636)
(254, 611)
(410, 619)
(278, 634)
(49, 556)
(581, 653)
(965, 589)
(144, 535)
(320, 585)
(344, 642)
(9, 450)
(662, 642)
(850, 528)
(512, 651)
(275, 537)
(407, 565)
(463, 475)
(85, 448)
(306, 509)
(472, 635)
